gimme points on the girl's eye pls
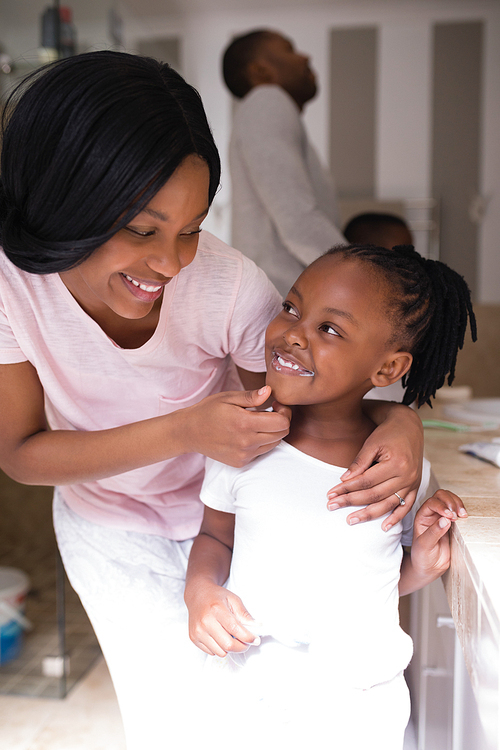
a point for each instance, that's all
(288, 308)
(190, 233)
(327, 328)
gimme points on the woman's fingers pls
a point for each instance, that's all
(227, 427)
(286, 411)
(383, 466)
(378, 481)
(381, 508)
(400, 511)
(371, 487)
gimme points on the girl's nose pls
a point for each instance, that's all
(295, 336)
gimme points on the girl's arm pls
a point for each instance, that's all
(219, 426)
(430, 550)
(215, 614)
(390, 461)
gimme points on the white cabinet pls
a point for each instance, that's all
(445, 711)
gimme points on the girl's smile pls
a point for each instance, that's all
(288, 365)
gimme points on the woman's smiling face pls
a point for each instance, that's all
(332, 335)
(128, 273)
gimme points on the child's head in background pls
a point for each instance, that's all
(383, 230)
(364, 316)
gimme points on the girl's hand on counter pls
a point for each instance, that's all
(430, 551)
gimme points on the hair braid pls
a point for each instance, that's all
(430, 307)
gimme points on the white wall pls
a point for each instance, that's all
(404, 89)
(404, 96)
(489, 261)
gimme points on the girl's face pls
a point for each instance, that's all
(332, 336)
(128, 273)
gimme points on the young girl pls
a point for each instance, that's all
(317, 598)
(125, 338)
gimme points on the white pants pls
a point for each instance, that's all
(132, 586)
(274, 700)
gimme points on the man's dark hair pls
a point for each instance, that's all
(367, 228)
(236, 59)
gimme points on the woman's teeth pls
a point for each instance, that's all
(144, 287)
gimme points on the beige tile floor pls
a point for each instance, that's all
(87, 719)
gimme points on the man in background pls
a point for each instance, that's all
(284, 212)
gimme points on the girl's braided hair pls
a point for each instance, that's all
(429, 305)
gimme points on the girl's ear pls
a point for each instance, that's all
(393, 369)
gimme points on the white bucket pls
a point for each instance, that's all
(14, 585)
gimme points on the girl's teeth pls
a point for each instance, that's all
(144, 287)
(286, 363)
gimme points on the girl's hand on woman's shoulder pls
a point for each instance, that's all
(389, 462)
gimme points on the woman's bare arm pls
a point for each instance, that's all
(220, 426)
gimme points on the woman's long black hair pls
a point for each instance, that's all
(429, 305)
(87, 143)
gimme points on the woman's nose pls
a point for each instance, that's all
(164, 265)
(170, 259)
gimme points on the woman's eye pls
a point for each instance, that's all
(288, 308)
(141, 232)
(191, 232)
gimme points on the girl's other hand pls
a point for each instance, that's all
(390, 461)
(215, 620)
(227, 427)
(431, 546)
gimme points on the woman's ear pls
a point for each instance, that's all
(393, 369)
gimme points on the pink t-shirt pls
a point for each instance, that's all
(213, 316)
